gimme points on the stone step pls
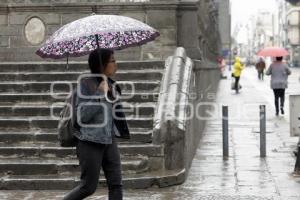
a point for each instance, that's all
(33, 166)
(162, 178)
(5, 98)
(53, 150)
(22, 110)
(138, 135)
(129, 75)
(74, 66)
(32, 87)
(47, 122)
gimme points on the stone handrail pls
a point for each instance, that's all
(170, 117)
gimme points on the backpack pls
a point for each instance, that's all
(67, 125)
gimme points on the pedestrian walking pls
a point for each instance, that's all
(222, 66)
(260, 67)
(97, 147)
(237, 70)
(279, 72)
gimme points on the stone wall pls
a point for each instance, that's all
(204, 86)
(25, 24)
(187, 94)
(198, 30)
(224, 22)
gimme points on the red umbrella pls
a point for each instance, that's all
(273, 52)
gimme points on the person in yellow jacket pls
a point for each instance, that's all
(237, 70)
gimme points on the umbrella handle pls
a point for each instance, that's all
(67, 67)
(97, 41)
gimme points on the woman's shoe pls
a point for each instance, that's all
(282, 111)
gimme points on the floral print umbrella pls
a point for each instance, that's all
(80, 37)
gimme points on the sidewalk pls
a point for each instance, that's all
(244, 176)
(245, 173)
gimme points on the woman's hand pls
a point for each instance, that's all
(103, 86)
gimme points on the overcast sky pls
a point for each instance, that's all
(242, 10)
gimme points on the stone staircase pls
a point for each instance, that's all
(31, 157)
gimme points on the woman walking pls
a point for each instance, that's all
(279, 72)
(237, 70)
(101, 119)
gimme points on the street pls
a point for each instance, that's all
(161, 60)
(244, 175)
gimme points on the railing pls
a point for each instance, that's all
(173, 107)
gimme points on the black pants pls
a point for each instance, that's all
(236, 84)
(260, 75)
(279, 94)
(92, 157)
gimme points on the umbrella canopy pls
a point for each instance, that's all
(82, 36)
(273, 52)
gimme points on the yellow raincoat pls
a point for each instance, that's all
(237, 67)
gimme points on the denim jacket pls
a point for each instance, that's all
(95, 115)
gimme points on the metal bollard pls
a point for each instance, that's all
(262, 117)
(225, 130)
(297, 165)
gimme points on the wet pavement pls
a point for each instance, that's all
(244, 175)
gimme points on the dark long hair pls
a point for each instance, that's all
(98, 59)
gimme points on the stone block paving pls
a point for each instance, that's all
(244, 175)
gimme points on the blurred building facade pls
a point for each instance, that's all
(264, 32)
(292, 31)
(289, 29)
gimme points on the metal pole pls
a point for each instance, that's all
(262, 116)
(230, 51)
(225, 130)
(97, 41)
(297, 165)
(67, 61)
